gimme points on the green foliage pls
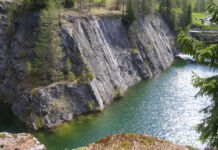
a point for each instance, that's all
(86, 76)
(71, 76)
(213, 9)
(91, 108)
(118, 94)
(200, 6)
(208, 128)
(186, 15)
(38, 120)
(48, 51)
(28, 68)
(134, 51)
(147, 7)
(68, 65)
(130, 17)
(69, 3)
(5, 97)
(11, 14)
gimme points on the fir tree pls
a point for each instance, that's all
(28, 68)
(130, 17)
(205, 53)
(68, 65)
(48, 51)
(189, 15)
(147, 7)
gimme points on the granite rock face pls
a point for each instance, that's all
(100, 43)
(20, 141)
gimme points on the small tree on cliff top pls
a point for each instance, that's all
(48, 51)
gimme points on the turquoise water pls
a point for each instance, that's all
(163, 106)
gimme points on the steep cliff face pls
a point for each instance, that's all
(100, 43)
(104, 45)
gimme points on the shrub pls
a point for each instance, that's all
(90, 106)
(71, 76)
(86, 76)
(118, 94)
(134, 51)
(28, 68)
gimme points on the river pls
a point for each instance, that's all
(164, 107)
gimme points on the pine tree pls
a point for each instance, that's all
(205, 53)
(189, 15)
(147, 7)
(69, 3)
(48, 51)
(71, 76)
(12, 8)
(130, 17)
(28, 68)
(68, 65)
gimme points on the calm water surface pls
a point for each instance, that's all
(164, 107)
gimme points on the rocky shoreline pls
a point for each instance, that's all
(22, 141)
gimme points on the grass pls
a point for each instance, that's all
(197, 16)
(196, 22)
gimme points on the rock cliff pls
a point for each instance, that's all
(99, 43)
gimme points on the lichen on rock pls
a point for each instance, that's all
(22, 141)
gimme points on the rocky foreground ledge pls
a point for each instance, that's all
(22, 141)
(132, 142)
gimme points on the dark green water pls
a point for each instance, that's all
(164, 107)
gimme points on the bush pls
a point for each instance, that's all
(90, 106)
(134, 51)
(71, 76)
(118, 94)
(28, 68)
(68, 3)
(86, 76)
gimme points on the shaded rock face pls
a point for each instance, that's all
(47, 107)
(208, 36)
(102, 44)
(20, 141)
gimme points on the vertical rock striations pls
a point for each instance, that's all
(101, 44)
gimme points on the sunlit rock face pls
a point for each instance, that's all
(20, 141)
(103, 43)
(100, 43)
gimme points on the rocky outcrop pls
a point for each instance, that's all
(132, 142)
(48, 106)
(20, 141)
(209, 36)
(101, 44)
